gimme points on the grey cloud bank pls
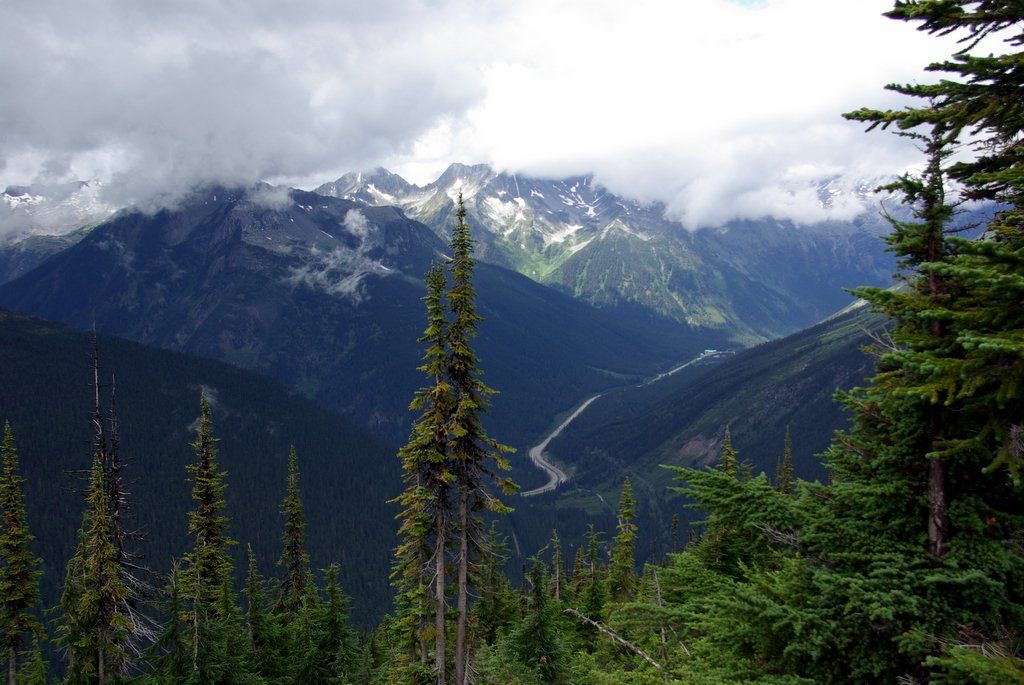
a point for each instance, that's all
(721, 110)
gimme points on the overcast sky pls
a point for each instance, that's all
(720, 108)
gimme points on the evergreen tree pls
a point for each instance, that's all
(476, 457)
(266, 639)
(339, 647)
(94, 627)
(728, 462)
(498, 605)
(34, 671)
(537, 641)
(979, 375)
(621, 575)
(579, 572)
(136, 576)
(784, 473)
(294, 558)
(556, 564)
(207, 566)
(171, 653)
(19, 567)
(426, 517)
(215, 636)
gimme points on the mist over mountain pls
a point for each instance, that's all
(324, 294)
(753, 280)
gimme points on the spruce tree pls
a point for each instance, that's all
(556, 565)
(339, 647)
(207, 571)
(294, 558)
(476, 457)
(19, 567)
(266, 638)
(537, 641)
(981, 374)
(207, 564)
(621, 575)
(34, 671)
(727, 462)
(426, 517)
(94, 627)
(170, 655)
(784, 474)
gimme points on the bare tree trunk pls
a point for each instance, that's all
(938, 510)
(101, 668)
(615, 637)
(439, 597)
(12, 667)
(460, 629)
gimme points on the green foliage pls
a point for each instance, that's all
(19, 567)
(208, 567)
(94, 626)
(537, 642)
(621, 574)
(34, 670)
(170, 655)
(294, 558)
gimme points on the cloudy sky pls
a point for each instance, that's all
(721, 108)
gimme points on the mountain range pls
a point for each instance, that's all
(753, 280)
(324, 295)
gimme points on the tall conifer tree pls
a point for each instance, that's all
(294, 558)
(426, 517)
(621, 574)
(476, 457)
(728, 462)
(19, 567)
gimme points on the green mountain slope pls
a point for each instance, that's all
(347, 475)
(681, 419)
(324, 295)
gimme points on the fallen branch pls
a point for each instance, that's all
(616, 638)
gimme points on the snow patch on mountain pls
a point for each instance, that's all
(51, 209)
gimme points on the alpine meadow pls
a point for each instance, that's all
(708, 369)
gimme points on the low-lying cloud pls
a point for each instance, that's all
(721, 109)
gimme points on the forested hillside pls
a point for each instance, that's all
(48, 399)
(323, 294)
(902, 561)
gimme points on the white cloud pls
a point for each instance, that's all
(718, 108)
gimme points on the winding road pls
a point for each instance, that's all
(557, 476)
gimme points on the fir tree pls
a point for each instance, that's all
(537, 641)
(498, 604)
(208, 565)
(266, 639)
(206, 576)
(784, 473)
(556, 564)
(171, 653)
(621, 575)
(579, 572)
(981, 374)
(727, 462)
(426, 517)
(476, 457)
(94, 627)
(339, 647)
(34, 671)
(294, 558)
(19, 567)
